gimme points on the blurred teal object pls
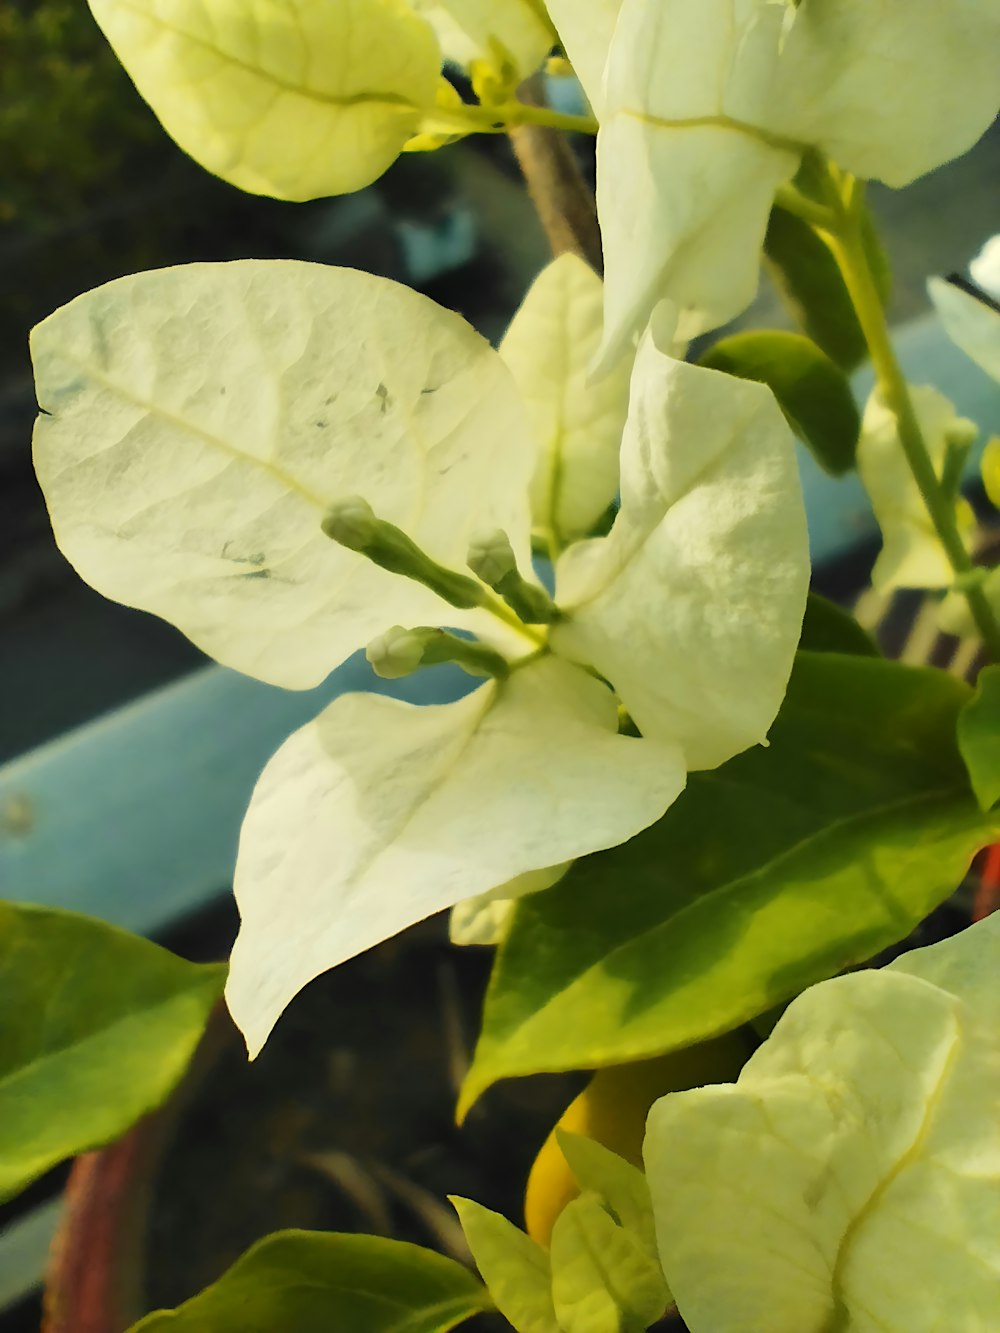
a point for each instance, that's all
(135, 818)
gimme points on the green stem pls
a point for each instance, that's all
(846, 240)
(508, 115)
(794, 201)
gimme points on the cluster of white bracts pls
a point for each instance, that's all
(201, 421)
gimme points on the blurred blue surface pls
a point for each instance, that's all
(135, 818)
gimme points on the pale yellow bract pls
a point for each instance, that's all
(850, 1179)
(291, 98)
(514, 1267)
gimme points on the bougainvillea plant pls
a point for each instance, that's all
(679, 796)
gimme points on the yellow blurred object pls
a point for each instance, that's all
(612, 1109)
(991, 470)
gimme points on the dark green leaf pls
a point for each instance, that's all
(98, 1027)
(767, 875)
(979, 737)
(812, 391)
(806, 274)
(324, 1282)
(828, 628)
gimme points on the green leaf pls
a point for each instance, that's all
(618, 1183)
(514, 1267)
(771, 873)
(806, 275)
(828, 628)
(98, 1028)
(603, 1279)
(979, 737)
(323, 1282)
(812, 391)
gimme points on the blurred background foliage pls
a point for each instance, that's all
(68, 122)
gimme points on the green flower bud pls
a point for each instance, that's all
(352, 523)
(400, 652)
(491, 557)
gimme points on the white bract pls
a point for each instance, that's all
(510, 37)
(912, 555)
(708, 105)
(585, 31)
(850, 1178)
(577, 423)
(205, 426)
(689, 570)
(290, 98)
(971, 319)
(985, 269)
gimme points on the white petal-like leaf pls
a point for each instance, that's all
(289, 98)
(912, 555)
(585, 31)
(577, 423)
(709, 104)
(685, 180)
(380, 813)
(985, 269)
(491, 31)
(890, 89)
(693, 604)
(966, 965)
(851, 1177)
(971, 324)
(199, 421)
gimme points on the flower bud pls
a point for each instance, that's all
(351, 522)
(400, 652)
(491, 557)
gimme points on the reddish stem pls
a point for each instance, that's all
(987, 898)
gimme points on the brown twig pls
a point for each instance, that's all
(558, 190)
